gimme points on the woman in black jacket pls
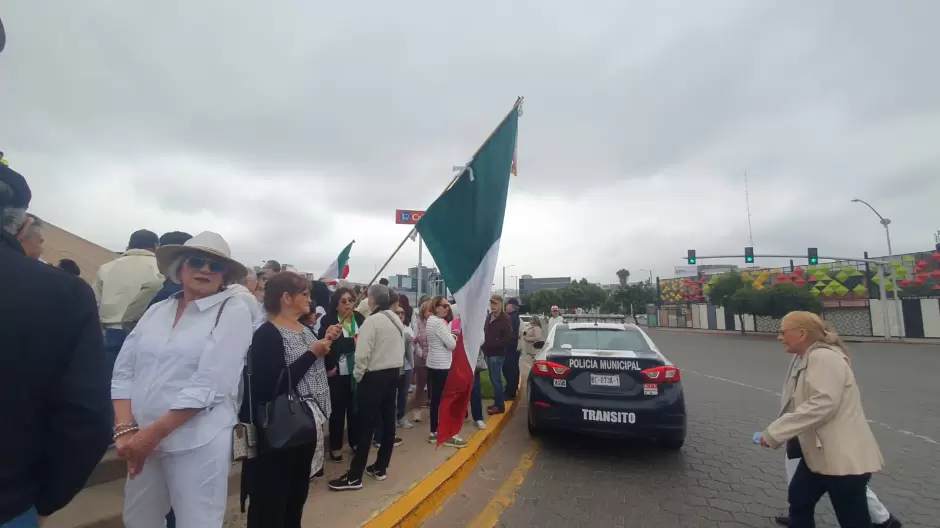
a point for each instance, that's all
(276, 482)
(339, 369)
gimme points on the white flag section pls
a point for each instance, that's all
(473, 303)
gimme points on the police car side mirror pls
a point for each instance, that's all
(538, 345)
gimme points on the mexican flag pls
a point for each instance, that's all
(339, 269)
(462, 229)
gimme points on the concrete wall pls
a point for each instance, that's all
(930, 310)
(877, 323)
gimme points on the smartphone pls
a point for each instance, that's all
(455, 326)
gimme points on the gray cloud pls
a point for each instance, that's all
(297, 126)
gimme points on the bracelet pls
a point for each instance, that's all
(124, 432)
(122, 425)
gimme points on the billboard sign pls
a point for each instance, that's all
(686, 271)
(407, 216)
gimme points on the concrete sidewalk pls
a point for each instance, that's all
(772, 335)
(417, 473)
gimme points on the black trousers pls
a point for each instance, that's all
(511, 371)
(277, 484)
(847, 493)
(437, 378)
(343, 416)
(377, 392)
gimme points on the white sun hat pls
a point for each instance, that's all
(207, 243)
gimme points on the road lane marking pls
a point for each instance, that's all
(506, 494)
(775, 393)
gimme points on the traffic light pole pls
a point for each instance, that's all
(881, 280)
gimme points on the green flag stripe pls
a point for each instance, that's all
(343, 258)
(461, 226)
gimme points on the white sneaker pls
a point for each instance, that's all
(432, 438)
(481, 425)
(416, 415)
(405, 424)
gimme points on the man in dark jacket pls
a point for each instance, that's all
(511, 365)
(497, 334)
(54, 379)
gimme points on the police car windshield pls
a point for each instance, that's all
(599, 339)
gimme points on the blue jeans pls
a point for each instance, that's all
(495, 364)
(476, 399)
(113, 341)
(29, 519)
(403, 393)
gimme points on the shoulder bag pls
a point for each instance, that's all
(244, 437)
(286, 420)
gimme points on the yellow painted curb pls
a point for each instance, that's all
(424, 498)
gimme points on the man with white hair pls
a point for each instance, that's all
(54, 384)
(380, 354)
(31, 238)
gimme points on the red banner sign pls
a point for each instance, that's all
(407, 216)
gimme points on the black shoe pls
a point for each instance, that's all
(398, 441)
(336, 456)
(345, 483)
(892, 522)
(511, 396)
(377, 474)
(782, 520)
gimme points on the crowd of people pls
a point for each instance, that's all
(195, 347)
(187, 361)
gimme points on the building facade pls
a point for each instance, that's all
(529, 284)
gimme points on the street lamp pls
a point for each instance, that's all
(650, 272)
(504, 277)
(897, 298)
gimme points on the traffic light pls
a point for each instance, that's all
(749, 255)
(691, 256)
(813, 256)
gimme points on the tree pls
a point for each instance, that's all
(633, 298)
(623, 276)
(726, 286)
(747, 300)
(723, 293)
(782, 299)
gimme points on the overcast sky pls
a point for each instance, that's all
(293, 127)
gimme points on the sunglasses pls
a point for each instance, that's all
(198, 262)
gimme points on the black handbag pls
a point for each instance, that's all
(286, 421)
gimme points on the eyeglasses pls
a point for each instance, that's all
(198, 262)
(400, 312)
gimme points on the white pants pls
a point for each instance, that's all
(879, 514)
(194, 482)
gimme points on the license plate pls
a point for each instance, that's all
(605, 380)
(650, 389)
(560, 382)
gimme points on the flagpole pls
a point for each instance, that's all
(515, 107)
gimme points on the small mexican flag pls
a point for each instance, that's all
(462, 229)
(339, 269)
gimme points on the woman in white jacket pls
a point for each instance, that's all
(441, 345)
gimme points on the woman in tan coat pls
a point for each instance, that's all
(821, 421)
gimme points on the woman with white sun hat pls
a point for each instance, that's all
(175, 387)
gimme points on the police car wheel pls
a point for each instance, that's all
(672, 443)
(533, 430)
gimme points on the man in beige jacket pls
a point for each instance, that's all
(119, 282)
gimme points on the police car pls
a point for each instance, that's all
(607, 379)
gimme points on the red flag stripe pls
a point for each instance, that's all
(456, 395)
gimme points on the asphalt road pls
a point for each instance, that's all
(719, 478)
